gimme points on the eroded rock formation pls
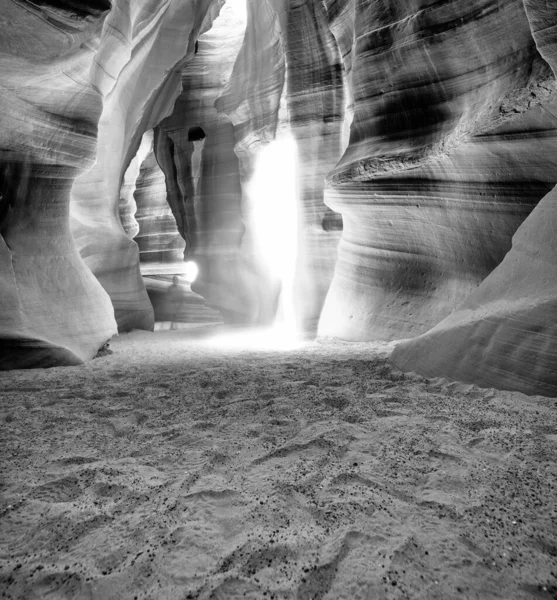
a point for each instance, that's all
(423, 133)
(138, 72)
(504, 335)
(79, 85)
(452, 145)
(52, 309)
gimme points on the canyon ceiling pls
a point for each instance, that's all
(419, 137)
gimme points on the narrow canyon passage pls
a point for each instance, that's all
(175, 468)
(376, 177)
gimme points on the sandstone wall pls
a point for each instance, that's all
(451, 147)
(138, 72)
(52, 309)
(79, 87)
(504, 334)
(425, 136)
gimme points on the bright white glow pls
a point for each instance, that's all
(235, 11)
(271, 338)
(191, 270)
(273, 192)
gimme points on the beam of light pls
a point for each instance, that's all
(274, 196)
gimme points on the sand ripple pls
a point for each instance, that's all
(169, 470)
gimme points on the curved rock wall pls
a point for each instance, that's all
(79, 86)
(161, 247)
(138, 72)
(505, 335)
(434, 125)
(293, 90)
(201, 168)
(447, 157)
(52, 309)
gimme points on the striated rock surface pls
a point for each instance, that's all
(137, 70)
(161, 247)
(447, 157)
(287, 107)
(195, 148)
(52, 309)
(505, 334)
(79, 86)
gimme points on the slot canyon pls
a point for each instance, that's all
(278, 299)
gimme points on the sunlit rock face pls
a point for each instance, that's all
(52, 309)
(161, 247)
(138, 72)
(451, 147)
(195, 148)
(504, 335)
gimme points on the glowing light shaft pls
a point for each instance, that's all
(273, 198)
(274, 194)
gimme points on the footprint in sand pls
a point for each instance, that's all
(75, 460)
(61, 585)
(66, 489)
(311, 448)
(383, 414)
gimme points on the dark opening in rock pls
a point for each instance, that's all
(195, 134)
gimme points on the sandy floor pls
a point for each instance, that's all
(172, 470)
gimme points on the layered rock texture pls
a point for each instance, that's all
(52, 308)
(505, 334)
(452, 145)
(361, 164)
(137, 70)
(79, 85)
